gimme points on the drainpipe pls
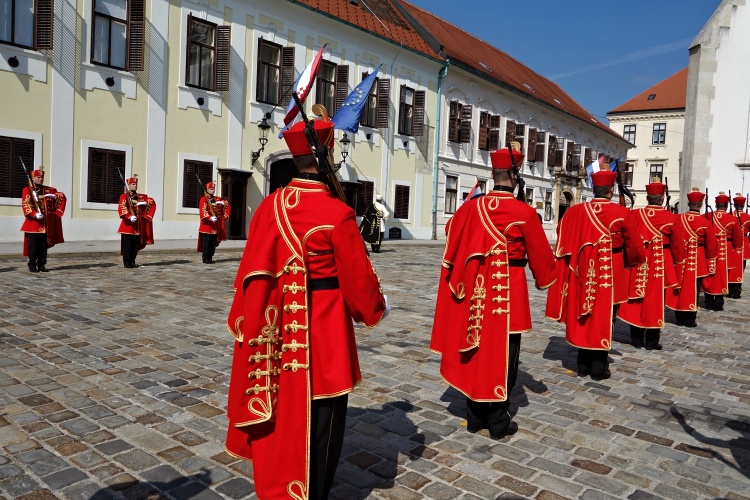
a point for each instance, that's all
(441, 74)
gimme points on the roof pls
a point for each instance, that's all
(380, 18)
(493, 64)
(667, 94)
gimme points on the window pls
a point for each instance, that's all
(629, 133)
(459, 122)
(411, 111)
(364, 197)
(482, 188)
(548, 205)
(191, 189)
(530, 196)
(573, 157)
(12, 151)
(207, 55)
(520, 134)
(275, 73)
(451, 194)
(375, 113)
(331, 86)
(627, 176)
(27, 23)
(559, 151)
(660, 133)
(489, 131)
(531, 147)
(401, 202)
(117, 34)
(106, 175)
(656, 172)
(540, 146)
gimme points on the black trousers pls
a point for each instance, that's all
(648, 337)
(37, 248)
(491, 415)
(686, 317)
(328, 426)
(592, 362)
(714, 302)
(130, 247)
(209, 246)
(735, 290)
(376, 246)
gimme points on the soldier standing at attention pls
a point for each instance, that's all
(729, 235)
(702, 248)
(596, 241)
(42, 206)
(303, 278)
(214, 212)
(665, 249)
(483, 299)
(741, 252)
(136, 213)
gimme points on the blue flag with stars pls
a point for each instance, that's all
(347, 117)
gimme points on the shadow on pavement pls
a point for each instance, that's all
(7, 269)
(739, 447)
(167, 480)
(165, 263)
(82, 266)
(375, 439)
(559, 350)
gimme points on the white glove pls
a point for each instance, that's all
(142, 203)
(39, 215)
(387, 306)
(50, 195)
(133, 218)
(213, 219)
(219, 202)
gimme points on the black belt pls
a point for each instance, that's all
(517, 262)
(665, 246)
(617, 250)
(323, 284)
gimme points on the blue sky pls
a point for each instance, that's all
(601, 52)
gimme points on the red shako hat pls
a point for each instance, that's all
(132, 180)
(501, 158)
(38, 172)
(739, 199)
(722, 198)
(656, 188)
(296, 140)
(210, 185)
(604, 178)
(696, 196)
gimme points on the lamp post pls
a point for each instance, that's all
(345, 143)
(263, 128)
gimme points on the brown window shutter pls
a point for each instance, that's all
(6, 167)
(401, 204)
(453, 121)
(44, 24)
(510, 132)
(342, 86)
(223, 54)
(136, 34)
(287, 75)
(551, 144)
(401, 108)
(541, 148)
(482, 141)
(465, 129)
(494, 143)
(559, 151)
(12, 151)
(97, 182)
(114, 184)
(587, 157)
(531, 149)
(191, 190)
(495, 121)
(259, 86)
(384, 102)
(420, 96)
(364, 196)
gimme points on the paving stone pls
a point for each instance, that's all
(63, 478)
(440, 491)
(236, 488)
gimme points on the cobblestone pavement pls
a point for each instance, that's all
(113, 383)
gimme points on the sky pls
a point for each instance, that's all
(601, 52)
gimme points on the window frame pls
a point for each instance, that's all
(660, 129)
(134, 23)
(655, 168)
(15, 178)
(450, 195)
(42, 26)
(109, 176)
(85, 170)
(181, 159)
(489, 131)
(629, 130)
(285, 71)
(220, 49)
(398, 205)
(459, 122)
(372, 97)
(368, 186)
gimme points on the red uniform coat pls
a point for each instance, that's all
(52, 205)
(745, 218)
(584, 294)
(736, 256)
(142, 207)
(481, 299)
(213, 207)
(702, 248)
(299, 233)
(660, 230)
(729, 235)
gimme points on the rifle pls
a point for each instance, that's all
(127, 193)
(31, 187)
(624, 191)
(708, 209)
(666, 194)
(321, 152)
(205, 193)
(521, 196)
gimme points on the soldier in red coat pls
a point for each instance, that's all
(596, 241)
(742, 252)
(483, 299)
(729, 235)
(702, 248)
(304, 276)
(136, 213)
(665, 249)
(214, 212)
(42, 206)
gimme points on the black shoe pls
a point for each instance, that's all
(583, 371)
(512, 429)
(475, 428)
(655, 347)
(679, 322)
(33, 269)
(42, 268)
(604, 376)
(210, 261)
(637, 344)
(691, 324)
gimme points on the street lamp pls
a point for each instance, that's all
(345, 143)
(263, 128)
